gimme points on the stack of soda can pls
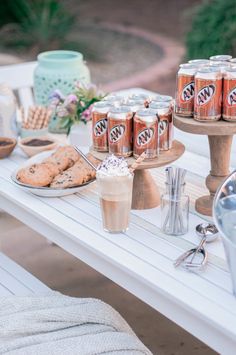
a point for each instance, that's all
(206, 89)
(130, 126)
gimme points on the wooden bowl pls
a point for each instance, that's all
(33, 150)
(6, 150)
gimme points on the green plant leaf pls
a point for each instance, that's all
(41, 23)
(65, 122)
(213, 30)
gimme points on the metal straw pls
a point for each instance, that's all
(85, 158)
(174, 218)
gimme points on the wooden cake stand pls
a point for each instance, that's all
(145, 191)
(220, 135)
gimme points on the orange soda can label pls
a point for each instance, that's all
(208, 99)
(185, 95)
(100, 140)
(229, 99)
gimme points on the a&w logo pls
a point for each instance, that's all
(100, 127)
(144, 136)
(231, 99)
(162, 127)
(205, 94)
(188, 92)
(116, 133)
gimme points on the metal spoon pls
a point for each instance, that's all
(208, 233)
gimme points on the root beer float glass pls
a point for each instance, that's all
(165, 118)
(120, 131)
(208, 94)
(229, 94)
(184, 98)
(99, 126)
(115, 185)
(146, 135)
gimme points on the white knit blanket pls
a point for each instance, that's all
(57, 324)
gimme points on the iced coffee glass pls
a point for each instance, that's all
(115, 184)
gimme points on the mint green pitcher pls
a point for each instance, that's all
(58, 70)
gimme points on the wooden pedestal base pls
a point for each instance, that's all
(204, 205)
(220, 135)
(145, 191)
(220, 148)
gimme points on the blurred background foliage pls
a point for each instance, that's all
(213, 29)
(35, 24)
(38, 25)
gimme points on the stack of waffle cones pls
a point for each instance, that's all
(37, 117)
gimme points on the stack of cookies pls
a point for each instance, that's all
(64, 168)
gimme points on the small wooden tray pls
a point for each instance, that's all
(145, 191)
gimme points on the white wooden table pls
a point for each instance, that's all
(141, 260)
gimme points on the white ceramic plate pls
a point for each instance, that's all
(45, 191)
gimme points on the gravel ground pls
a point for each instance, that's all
(115, 54)
(170, 17)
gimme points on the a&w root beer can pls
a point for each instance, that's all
(229, 96)
(139, 97)
(146, 135)
(114, 99)
(184, 99)
(157, 99)
(134, 105)
(99, 126)
(199, 62)
(120, 131)
(221, 58)
(208, 94)
(165, 118)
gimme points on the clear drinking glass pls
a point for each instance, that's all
(174, 211)
(115, 194)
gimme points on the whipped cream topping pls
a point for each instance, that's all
(114, 166)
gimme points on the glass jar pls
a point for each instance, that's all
(174, 211)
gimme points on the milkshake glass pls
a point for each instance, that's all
(115, 184)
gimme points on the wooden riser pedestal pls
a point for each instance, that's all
(220, 148)
(145, 191)
(220, 136)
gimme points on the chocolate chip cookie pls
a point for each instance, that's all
(67, 152)
(74, 176)
(38, 175)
